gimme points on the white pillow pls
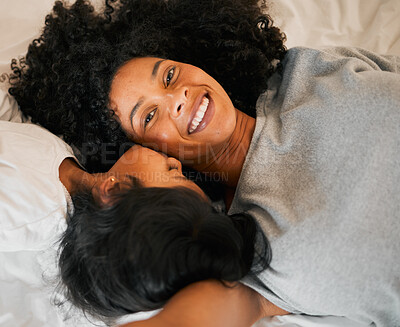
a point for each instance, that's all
(9, 110)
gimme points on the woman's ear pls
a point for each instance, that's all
(107, 189)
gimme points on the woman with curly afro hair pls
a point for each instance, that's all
(315, 168)
(64, 81)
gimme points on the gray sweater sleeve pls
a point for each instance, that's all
(322, 180)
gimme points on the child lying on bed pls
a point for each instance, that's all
(128, 228)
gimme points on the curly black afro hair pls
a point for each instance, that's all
(64, 80)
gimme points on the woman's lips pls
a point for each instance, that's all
(202, 115)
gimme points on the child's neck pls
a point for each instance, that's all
(74, 177)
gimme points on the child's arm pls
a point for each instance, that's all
(210, 303)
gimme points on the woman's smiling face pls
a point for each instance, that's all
(172, 107)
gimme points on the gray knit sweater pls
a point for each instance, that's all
(322, 178)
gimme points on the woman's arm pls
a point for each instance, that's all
(210, 303)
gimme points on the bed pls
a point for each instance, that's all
(371, 24)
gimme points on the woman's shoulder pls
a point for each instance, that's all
(310, 72)
(315, 56)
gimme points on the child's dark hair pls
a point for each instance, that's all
(64, 81)
(136, 254)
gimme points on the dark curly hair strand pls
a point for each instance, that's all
(64, 81)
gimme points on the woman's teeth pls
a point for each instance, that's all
(199, 115)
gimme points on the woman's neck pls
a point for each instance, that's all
(230, 158)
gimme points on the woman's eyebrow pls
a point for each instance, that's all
(134, 109)
(155, 68)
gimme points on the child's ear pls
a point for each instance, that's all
(109, 187)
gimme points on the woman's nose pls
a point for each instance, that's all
(177, 102)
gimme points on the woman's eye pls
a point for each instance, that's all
(149, 117)
(170, 75)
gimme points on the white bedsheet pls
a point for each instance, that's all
(372, 24)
